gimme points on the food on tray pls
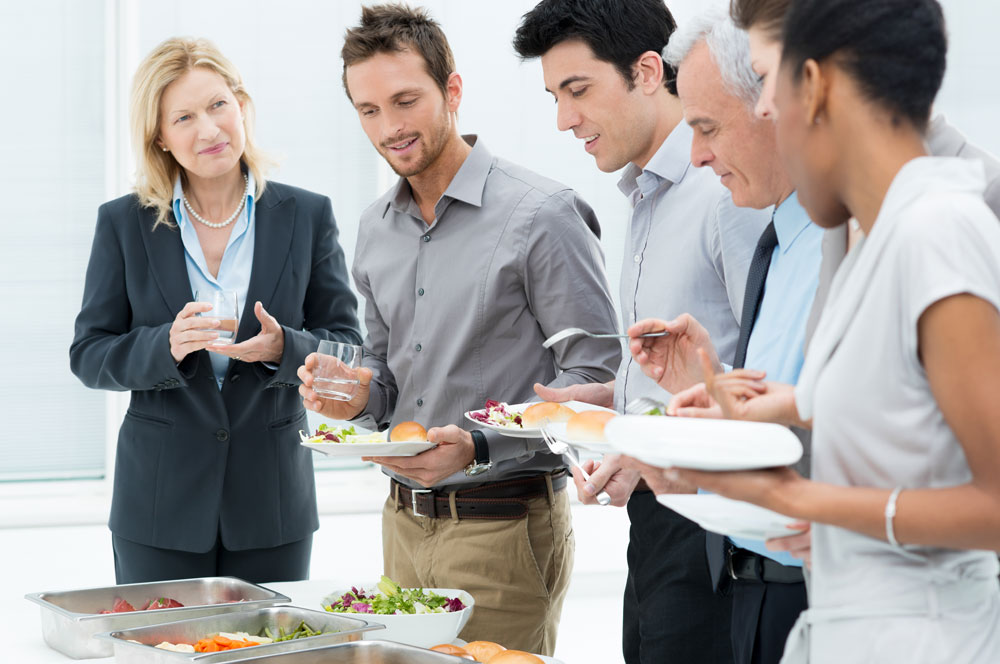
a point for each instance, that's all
(122, 606)
(233, 640)
(391, 599)
(482, 651)
(451, 649)
(588, 426)
(328, 434)
(536, 415)
(407, 431)
(497, 414)
(515, 657)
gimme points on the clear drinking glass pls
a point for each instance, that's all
(225, 307)
(336, 373)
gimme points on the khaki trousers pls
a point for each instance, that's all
(517, 570)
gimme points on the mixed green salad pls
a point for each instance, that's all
(328, 434)
(391, 599)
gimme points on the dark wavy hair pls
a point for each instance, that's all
(617, 31)
(895, 50)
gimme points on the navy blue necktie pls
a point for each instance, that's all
(715, 545)
(755, 290)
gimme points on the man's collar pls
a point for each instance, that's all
(670, 162)
(467, 185)
(790, 219)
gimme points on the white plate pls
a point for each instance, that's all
(558, 430)
(578, 406)
(400, 449)
(725, 516)
(703, 444)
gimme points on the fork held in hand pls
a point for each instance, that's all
(573, 331)
(559, 447)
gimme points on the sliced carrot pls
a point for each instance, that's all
(222, 640)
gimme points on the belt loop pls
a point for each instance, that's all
(452, 506)
(548, 487)
(395, 487)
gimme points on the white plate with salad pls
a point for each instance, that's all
(506, 418)
(347, 441)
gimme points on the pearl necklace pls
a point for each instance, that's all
(221, 224)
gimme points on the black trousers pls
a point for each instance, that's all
(139, 563)
(671, 613)
(763, 616)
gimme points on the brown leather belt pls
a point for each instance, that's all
(506, 499)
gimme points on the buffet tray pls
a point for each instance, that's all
(136, 646)
(359, 652)
(70, 618)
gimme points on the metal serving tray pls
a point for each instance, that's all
(127, 651)
(360, 652)
(70, 618)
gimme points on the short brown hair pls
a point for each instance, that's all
(394, 28)
(766, 15)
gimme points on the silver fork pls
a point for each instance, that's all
(642, 405)
(557, 446)
(573, 331)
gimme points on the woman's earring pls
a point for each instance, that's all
(164, 148)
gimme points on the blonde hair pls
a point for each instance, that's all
(157, 170)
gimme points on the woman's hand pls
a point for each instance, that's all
(695, 401)
(266, 346)
(742, 394)
(671, 360)
(799, 544)
(190, 333)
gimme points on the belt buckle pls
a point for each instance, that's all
(729, 563)
(413, 501)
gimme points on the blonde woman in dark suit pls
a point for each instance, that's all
(209, 476)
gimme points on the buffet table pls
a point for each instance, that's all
(22, 623)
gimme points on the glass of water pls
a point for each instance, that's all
(225, 308)
(336, 373)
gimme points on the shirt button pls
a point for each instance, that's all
(222, 435)
(427, 238)
(420, 402)
(636, 258)
(419, 347)
(420, 291)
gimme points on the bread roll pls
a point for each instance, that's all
(450, 649)
(588, 426)
(515, 657)
(407, 431)
(483, 650)
(536, 415)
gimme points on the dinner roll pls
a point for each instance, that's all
(451, 649)
(515, 657)
(538, 414)
(407, 431)
(483, 650)
(588, 426)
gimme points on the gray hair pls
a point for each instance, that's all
(728, 45)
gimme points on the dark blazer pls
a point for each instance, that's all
(194, 462)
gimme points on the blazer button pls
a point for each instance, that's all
(222, 435)
(235, 377)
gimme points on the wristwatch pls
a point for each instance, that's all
(481, 462)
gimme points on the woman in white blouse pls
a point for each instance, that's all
(903, 374)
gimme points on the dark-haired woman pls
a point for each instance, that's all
(901, 378)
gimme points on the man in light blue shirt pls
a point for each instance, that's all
(711, 54)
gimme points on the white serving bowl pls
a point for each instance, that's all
(422, 629)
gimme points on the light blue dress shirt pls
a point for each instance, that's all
(777, 339)
(687, 250)
(234, 270)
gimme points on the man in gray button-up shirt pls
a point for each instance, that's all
(466, 266)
